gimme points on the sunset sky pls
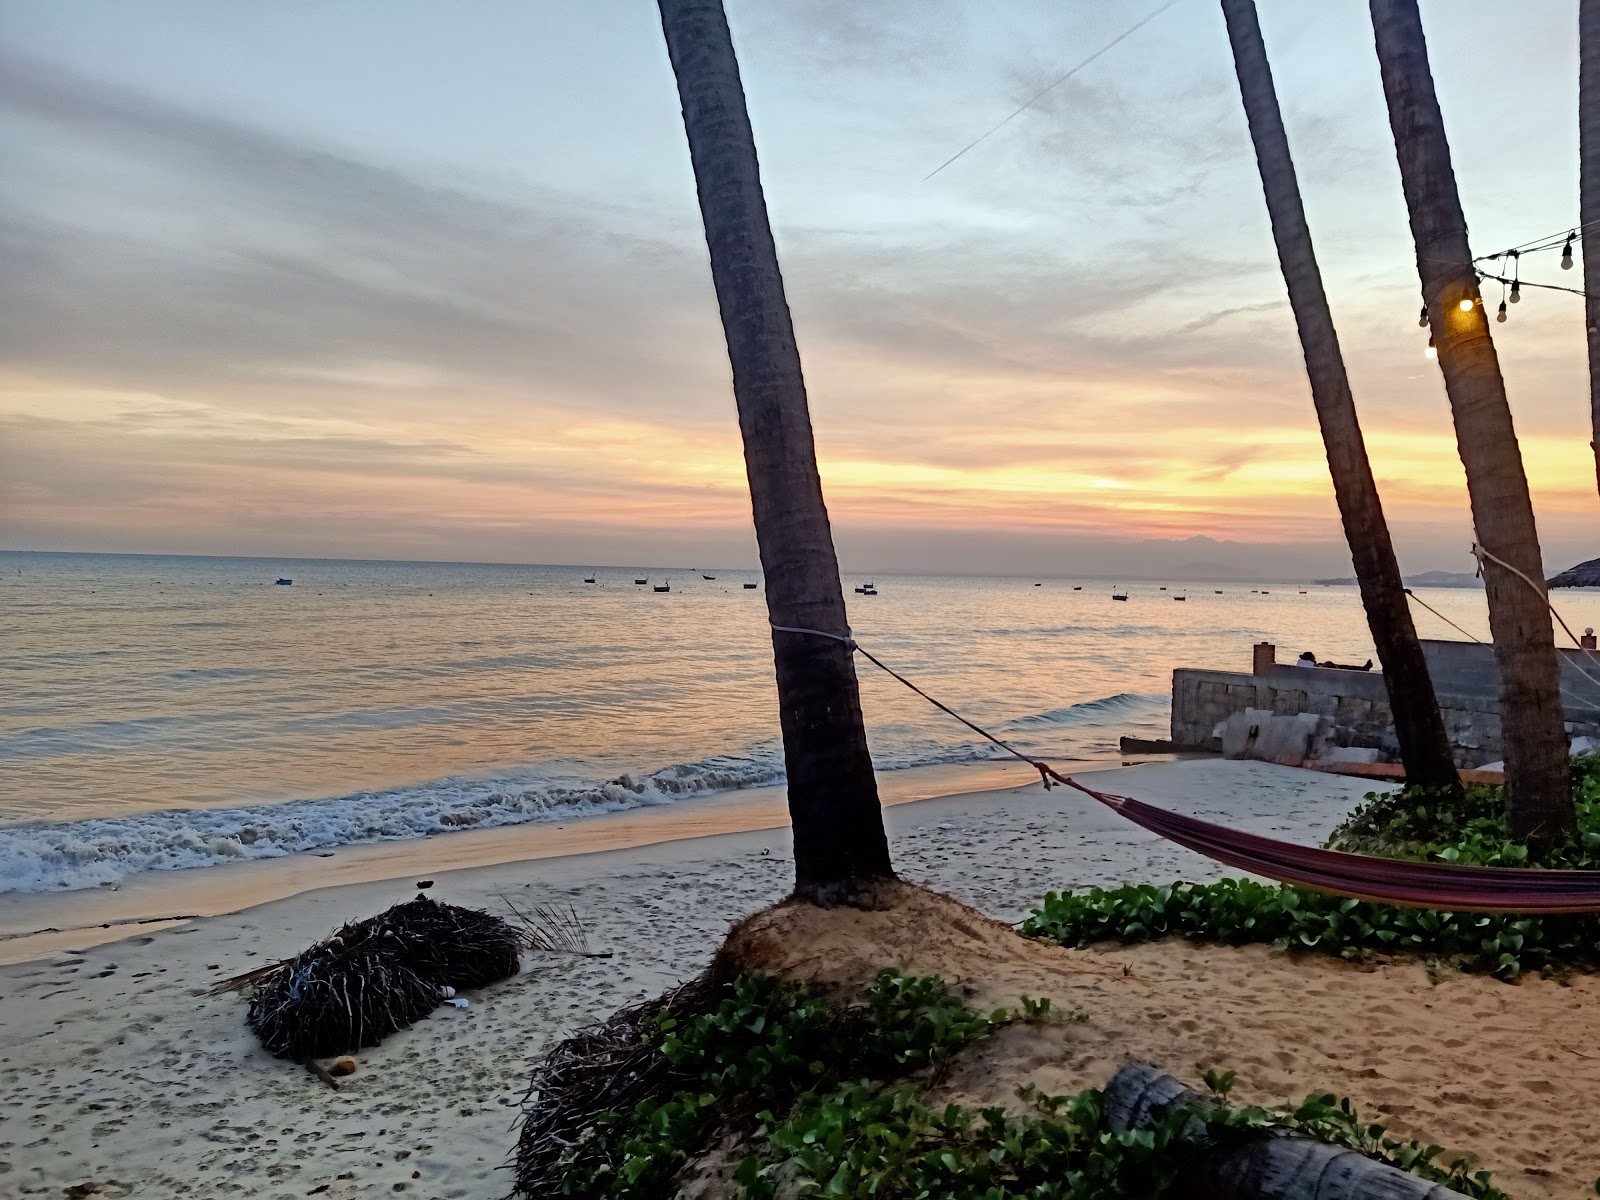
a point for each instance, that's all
(426, 280)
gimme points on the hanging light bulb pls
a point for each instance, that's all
(1566, 255)
(1466, 304)
(1516, 293)
(1432, 350)
(1422, 318)
(1501, 315)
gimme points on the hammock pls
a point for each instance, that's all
(1443, 886)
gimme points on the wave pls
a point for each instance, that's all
(47, 856)
(1095, 712)
(67, 855)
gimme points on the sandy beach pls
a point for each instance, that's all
(120, 1079)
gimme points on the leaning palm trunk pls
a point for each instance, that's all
(1538, 796)
(840, 849)
(1268, 1167)
(1589, 200)
(1424, 745)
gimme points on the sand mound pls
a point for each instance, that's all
(1497, 1073)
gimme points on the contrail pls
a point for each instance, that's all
(1132, 29)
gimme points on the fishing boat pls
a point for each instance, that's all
(749, 587)
(1119, 595)
(1078, 588)
(1218, 592)
(590, 579)
(641, 581)
(663, 587)
(707, 576)
(868, 589)
(283, 582)
(1180, 597)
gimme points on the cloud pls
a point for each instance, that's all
(216, 330)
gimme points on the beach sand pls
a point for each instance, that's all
(118, 1076)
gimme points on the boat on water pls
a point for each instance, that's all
(1078, 588)
(868, 589)
(663, 587)
(707, 576)
(641, 581)
(283, 582)
(1218, 592)
(749, 587)
(590, 579)
(1180, 597)
(1119, 595)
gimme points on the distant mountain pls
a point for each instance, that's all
(1444, 579)
(1585, 574)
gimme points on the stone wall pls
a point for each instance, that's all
(1356, 703)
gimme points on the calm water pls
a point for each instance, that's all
(172, 712)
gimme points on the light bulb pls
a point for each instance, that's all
(1501, 315)
(1516, 293)
(1431, 351)
(1566, 256)
(1466, 305)
(1422, 318)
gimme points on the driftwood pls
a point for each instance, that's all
(1274, 1166)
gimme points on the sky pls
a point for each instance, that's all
(417, 279)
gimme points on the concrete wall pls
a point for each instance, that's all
(1357, 703)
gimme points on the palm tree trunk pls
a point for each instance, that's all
(1589, 200)
(1272, 1166)
(1538, 796)
(1424, 745)
(840, 848)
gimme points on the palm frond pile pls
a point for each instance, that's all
(608, 1067)
(376, 976)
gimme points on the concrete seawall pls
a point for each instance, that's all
(1356, 703)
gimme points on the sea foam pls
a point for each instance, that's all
(41, 856)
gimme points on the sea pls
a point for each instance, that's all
(173, 712)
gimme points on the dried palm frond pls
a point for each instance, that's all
(608, 1067)
(554, 928)
(375, 976)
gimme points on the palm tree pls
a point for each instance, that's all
(1589, 199)
(1538, 795)
(840, 849)
(1424, 745)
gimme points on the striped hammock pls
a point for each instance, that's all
(1444, 886)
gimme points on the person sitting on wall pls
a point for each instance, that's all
(1306, 659)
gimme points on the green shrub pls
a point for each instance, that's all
(1427, 825)
(867, 1143)
(1236, 911)
(762, 1044)
(812, 1086)
(1413, 824)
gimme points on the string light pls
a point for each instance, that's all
(1501, 315)
(1422, 318)
(1466, 305)
(1432, 350)
(1516, 291)
(1566, 252)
